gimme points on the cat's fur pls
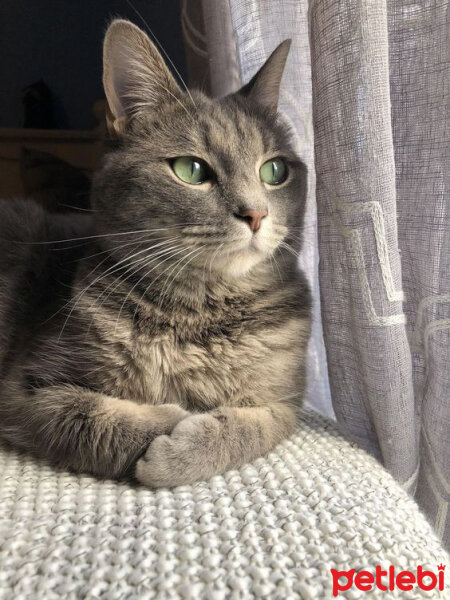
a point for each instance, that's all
(178, 351)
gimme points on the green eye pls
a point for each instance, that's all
(274, 171)
(190, 170)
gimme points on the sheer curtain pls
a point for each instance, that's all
(371, 78)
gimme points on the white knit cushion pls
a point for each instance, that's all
(271, 530)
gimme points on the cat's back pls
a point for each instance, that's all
(33, 258)
(33, 240)
(25, 223)
(22, 222)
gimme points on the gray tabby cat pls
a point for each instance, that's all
(164, 337)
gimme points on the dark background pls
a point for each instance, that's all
(61, 43)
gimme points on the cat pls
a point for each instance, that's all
(163, 336)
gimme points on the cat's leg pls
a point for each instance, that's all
(210, 443)
(84, 430)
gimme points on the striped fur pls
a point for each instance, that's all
(161, 339)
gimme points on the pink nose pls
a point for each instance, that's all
(253, 218)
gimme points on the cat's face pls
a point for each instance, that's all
(215, 182)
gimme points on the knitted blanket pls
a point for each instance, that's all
(272, 530)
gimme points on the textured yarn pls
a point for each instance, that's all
(271, 530)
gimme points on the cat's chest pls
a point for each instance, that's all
(204, 362)
(191, 367)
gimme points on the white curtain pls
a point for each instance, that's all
(371, 79)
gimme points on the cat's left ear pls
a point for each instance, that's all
(134, 74)
(264, 87)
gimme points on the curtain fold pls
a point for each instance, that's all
(374, 78)
(360, 274)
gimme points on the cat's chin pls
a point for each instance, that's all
(240, 262)
(236, 269)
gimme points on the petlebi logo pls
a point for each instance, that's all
(388, 580)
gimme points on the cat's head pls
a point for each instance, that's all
(214, 182)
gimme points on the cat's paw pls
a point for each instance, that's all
(180, 458)
(167, 416)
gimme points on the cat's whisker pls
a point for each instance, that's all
(272, 258)
(135, 242)
(143, 259)
(168, 283)
(151, 283)
(204, 269)
(90, 210)
(132, 269)
(121, 247)
(78, 296)
(281, 255)
(166, 254)
(289, 397)
(295, 237)
(108, 271)
(102, 235)
(271, 265)
(289, 249)
(65, 248)
(67, 304)
(143, 277)
(213, 257)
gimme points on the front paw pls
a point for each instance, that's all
(181, 458)
(165, 417)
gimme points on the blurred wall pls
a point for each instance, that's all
(60, 41)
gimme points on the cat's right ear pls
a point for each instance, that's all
(264, 87)
(135, 75)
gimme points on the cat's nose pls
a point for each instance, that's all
(253, 218)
